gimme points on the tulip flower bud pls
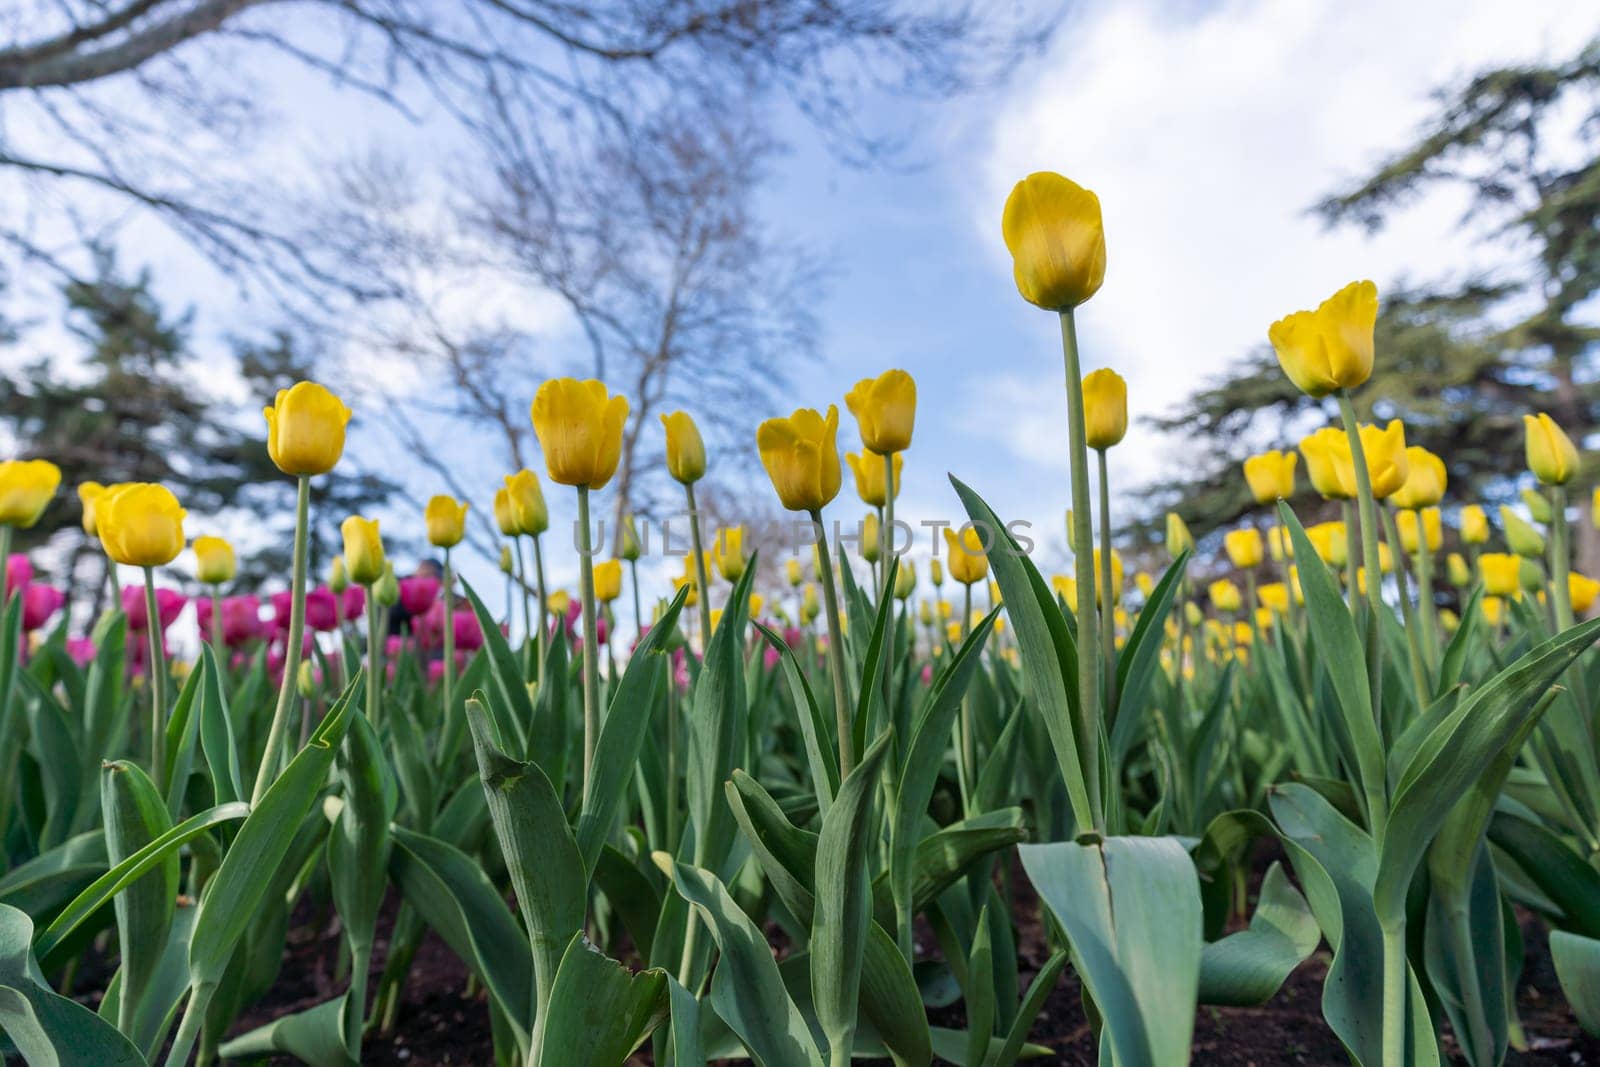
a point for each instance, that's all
(869, 538)
(1501, 573)
(885, 408)
(1225, 596)
(925, 613)
(508, 562)
(905, 579)
(631, 548)
(1532, 576)
(1407, 522)
(386, 590)
(1329, 349)
(969, 563)
(793, 571)
(1271, 476)
(1551, 455)
(579, 426)
(338, 576)
(305, 429)
(1449, 621)
(1244, 547)
(728, 552)
(686, 451)
(1274, 596)
(88, 493)
(446, 518)
(363, 550)
(1460, 574)
(26, 488)
(1054, 232)
(1179, 539)
(1105, 408)
(1538, 506)
(608, 580)
(1582, 590)
(809, 604)
(1425, 480)
(936, 573)
(1523, 538)
(527, 503)
(505, 516)
(141, 524)
(869, 476)
(305, 680)
(214, 561)
(1474, 525)
(801, 456)
(755, 604)
(1191, 613)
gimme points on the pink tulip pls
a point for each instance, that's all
(355, 602)
(322, 611)
(393, 646)
(469, 635)
(429, 626)
(39, 603)
(19, 572)
(435, 670)
(169, 605)
(241, 619)
(82, 650)
(418, 593)
(282, 607)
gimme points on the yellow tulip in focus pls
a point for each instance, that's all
(1552, 457)
(305, 429)
(1388, 466)
(214, 561)
(1474, 525)
(794, 571)
(1329, 349)
(1322, 451)
(527, 503)
(1244, 547)
(579, 425)
(505, 516)
(1271, 476)
(1582, 589)
(1459, 573)
(446, 519)
(801, 455)
(686, 450)
(868, 470)
(1179, 539)
(1053, 230)
(1274, 595)
(26, 488)
(1425, 479)
(969, 563)
(1406, 522)
(608, 580)
(1523, 539)
(141, 524)
(1225, 596)
(729, 552)
(88, 493)
(1501, 573)
(363, 549)
(885, 408)
(1105, 408)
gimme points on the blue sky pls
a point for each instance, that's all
(1205, 129)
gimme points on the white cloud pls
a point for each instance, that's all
(1208, 138)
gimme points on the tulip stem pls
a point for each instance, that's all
(638, 612)
(1560, 584)
(841, 697)
(1083, 568)
(591, 656)
(5, 568)
(1419, 677)
(448, 681)
(216, 623)
(700, 576)
(374, 667)
(1370, 560)
(1425, 606)
(544, 616)
(1107, 595)
(886, 548)
(158, 680)
(292, 650)
(1351, 579)
(522, 584)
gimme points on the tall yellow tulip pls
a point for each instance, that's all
(141, 524)
(579, 426)
(1245, 547)
(1474, 525)
(1053, 230)
(1552, 457)
(1105, 408)
(446, 519)
(885, 408)
(868, 469)
(1387, 463)
(214, 561)
(1329, 349)
(305, 429)
(801, 456)
(686, 450)
(1322, 451)
(26, 488)
(363, 549)
(608, 580)
(969, 564)
(1270, 476)
(1425, 482)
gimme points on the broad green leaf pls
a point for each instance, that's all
(1577, 961)
(310, 1036)
(1558, 870)
(1033, 1002)
(717, 717)
(1248, 967)
(513, 724)
(135, 816)
(687, 1048)
(216, 731)
(1139, 659)
(1465, 957)
(979, 992)
(599, 1012)
(815, 733)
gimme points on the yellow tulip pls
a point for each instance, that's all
(505, 516)
(936, 573)
(632, 548)
(508, 562)
(1425, 481)
(1191, 612)
(338, 576)
(869, 538)
(1329, 349)
(1105, 408)
(1538, 506)
(1456, 567)
(686, 450)
(1321, 451)
(1494, 609)
(1388, 466)
(945, 609)
(1271, 476)
(969, 563)
(885, 408)
(1053, 230)
(1179, 539)
(527, 503)
(755, 604)
(305, 429)
(905, 579)
(88, 493)
(952, 632)
(1449, 620)
(1523, 539)
(1331, 541)
(26, 488)
(801, 455)
(446, 519)
(1406, 523)
(1263, 618)
(728, 552)
(809, 604)
(1066, 587)
(1594, 508)
(794, 571)
(1225, 596)
(141, 524)
(214, 561)
(363, 549)
(687, 581)
(1294, 585)
(868, 471)
(1552, 457)
(1144, 583)
(579, 425)
(1275, 595)
(1502, 573)
(1582, 590)
(1279, 546)
(1244, 547)
(1474, 525)
(559, 601)
(1116, 577)
(386, 590)
(608, 580)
